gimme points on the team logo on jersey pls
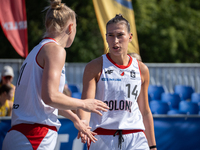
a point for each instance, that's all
(108, 71)
(132, 74)
(121, 73)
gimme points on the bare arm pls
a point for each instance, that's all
(79, 125)
(91, 76)
(52, 59)
(144, 106)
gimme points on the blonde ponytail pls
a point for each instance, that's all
(57, 16)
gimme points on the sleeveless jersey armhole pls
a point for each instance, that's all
(101, 69)
(52, 41)
(37, 56)
(139, 70)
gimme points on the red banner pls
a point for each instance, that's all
(14, 24)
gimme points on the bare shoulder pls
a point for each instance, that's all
(143, 68)
(94, 67)
(51, 53)
(144, 71)
(54, 50)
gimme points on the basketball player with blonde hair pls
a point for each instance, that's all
(39, 90)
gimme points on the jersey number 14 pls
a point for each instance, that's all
(134, 91)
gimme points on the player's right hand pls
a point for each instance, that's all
(95, 106)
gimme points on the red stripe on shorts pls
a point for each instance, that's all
(101, 131)
(35, 133)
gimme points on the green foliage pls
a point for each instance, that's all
(7, 51)
(168, 30)
(88, 43)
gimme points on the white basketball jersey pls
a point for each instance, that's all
(28, 105)
(119, 87)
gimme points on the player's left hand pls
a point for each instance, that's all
(84, 137)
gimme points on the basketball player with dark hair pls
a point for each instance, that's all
(121, 82)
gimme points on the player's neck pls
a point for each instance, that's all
(120, 60)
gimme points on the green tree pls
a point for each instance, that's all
(86, 45)
(168, 30)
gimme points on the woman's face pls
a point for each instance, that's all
(118, 38)
(10, 94)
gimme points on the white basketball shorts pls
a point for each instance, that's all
(30, 137)
(131, 141)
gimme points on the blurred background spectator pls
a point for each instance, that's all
(6, 95)
(7, 76)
